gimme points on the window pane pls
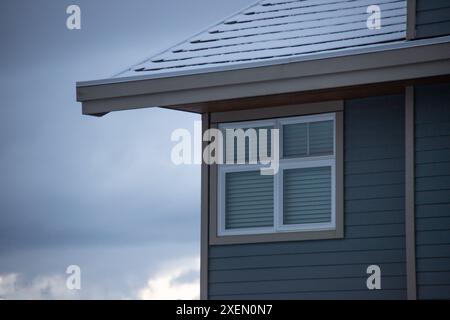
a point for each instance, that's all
(295, 140)
(307, 195)
(254, 147)
(248, 200)
(321, 138)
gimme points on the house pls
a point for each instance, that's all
(363, 112)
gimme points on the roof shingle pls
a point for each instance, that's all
(277, 29)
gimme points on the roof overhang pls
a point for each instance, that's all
(405, 60)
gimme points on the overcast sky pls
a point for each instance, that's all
(100, 193)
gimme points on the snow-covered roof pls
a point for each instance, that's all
(273, 30)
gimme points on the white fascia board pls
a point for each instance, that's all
(374, 64)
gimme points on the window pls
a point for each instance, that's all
(300, 197)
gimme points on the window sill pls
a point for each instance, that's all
(277, 237)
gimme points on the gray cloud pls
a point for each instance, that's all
(110, 272)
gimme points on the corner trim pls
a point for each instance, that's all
(204, 219)
(410, 196)
(340, 174)
(411, 20)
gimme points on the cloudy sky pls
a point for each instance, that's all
(100, 193)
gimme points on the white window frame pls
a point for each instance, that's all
(288, 163)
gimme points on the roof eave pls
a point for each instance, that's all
(376, 64)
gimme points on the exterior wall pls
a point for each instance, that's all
(374, 225)
(432, 126)
(432, 18)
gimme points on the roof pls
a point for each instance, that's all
(275, 47)
(275, 29)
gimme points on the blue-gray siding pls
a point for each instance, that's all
(432, 18)
(433, 191)
(374, 225)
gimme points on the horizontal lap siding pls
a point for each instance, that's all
(433, 191)
(432, 18)
(374, 226)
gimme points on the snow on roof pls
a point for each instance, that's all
(279, 29)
